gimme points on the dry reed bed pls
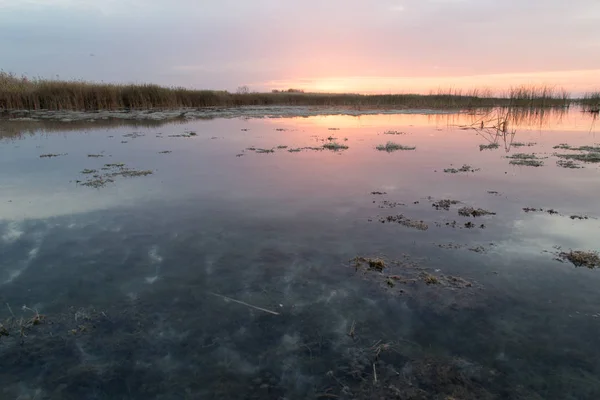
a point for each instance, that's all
(47, 94)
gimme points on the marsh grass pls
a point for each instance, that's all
(392, 146)
(18, 93)
(591, 102)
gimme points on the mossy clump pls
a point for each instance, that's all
(374, 264)
(490, 146)
(570, 164)
(402, 220)
(580, 258)
(295, 150)
(51, 155)
(430, 279)
(464, 168)
(391, 147)
(335, 146)
(444, 204)
(392, 132)
(282, 147)
(591, 157)
(520, 144)
(474, 212)
(523, 159)
(264, 151)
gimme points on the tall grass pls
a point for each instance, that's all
(591, 102)
(50, 94)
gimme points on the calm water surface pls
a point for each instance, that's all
(226, 273)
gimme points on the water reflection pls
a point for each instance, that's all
(126, 275)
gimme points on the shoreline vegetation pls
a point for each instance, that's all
(22, 93)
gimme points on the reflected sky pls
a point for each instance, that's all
(138, 263)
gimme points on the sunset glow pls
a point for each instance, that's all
(395, 46)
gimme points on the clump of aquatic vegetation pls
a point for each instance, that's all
(490, 146)
(335, 146)
(20, 326)
(570, 164)
(392, 146)
(21, 92)
(521, 144)
(52, 155)
(589, 157)
(264, 151)
(464, 168)
(580, 258)
(392, 132)
(523, 159)
(98, 179)
(444, 204)
(474, 212)
(405, 221)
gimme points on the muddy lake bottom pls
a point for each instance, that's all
(289, 258)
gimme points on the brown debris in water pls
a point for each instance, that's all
(580, 258)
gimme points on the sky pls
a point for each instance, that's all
(376, 46)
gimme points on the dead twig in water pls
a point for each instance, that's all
(351, 333)
(243, 303)
(374, 375)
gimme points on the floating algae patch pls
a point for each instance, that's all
(580, 258)
(51, 155)
(165, 152)
(591, 157)
(490, 146)
(464, 168)
(95, 155)
(335, 146)
(444, 204)
(394, 132)
(570, 164)
(264, 151)
(392, 146)
(111, 171)
(402, 220)
(474, 212)
(524, 159)
(520, 144)
(565, 146)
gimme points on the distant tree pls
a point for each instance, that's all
(243, 90)
(274, 91)
(290, 90)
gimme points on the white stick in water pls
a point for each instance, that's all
(246, 304)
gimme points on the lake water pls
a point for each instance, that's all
(227, 272)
